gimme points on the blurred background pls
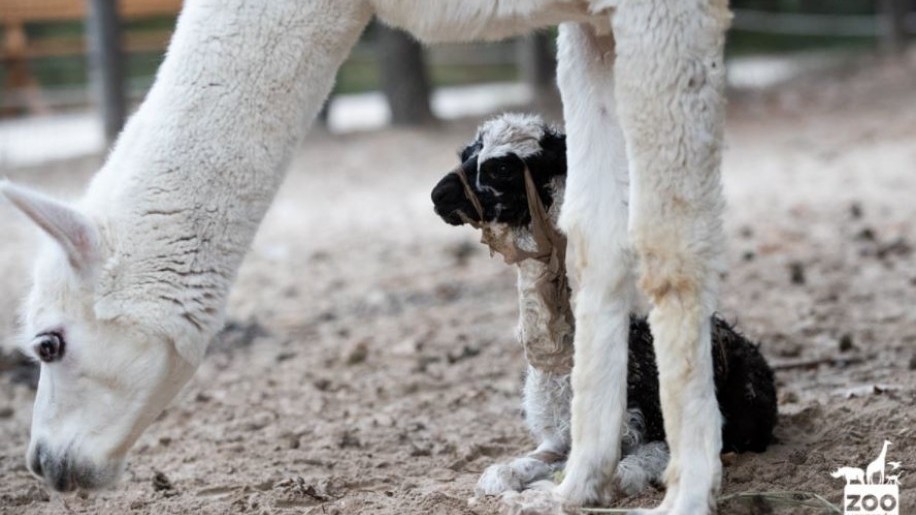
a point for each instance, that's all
(369, 362)
(77, 68)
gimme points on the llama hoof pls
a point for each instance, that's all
(498, 479)
(584, 493)
(533, 502)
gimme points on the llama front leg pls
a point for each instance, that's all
(594, 216)
(670, 79)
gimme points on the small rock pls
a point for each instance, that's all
(358, 354)
(417, 450)
(797, 273)
(258, 422)
(740, 475)
(161, 482)
(748, 255)
(898, 247)
(855, 210)
(327, 316)
(466, 352)
(846, 343)
(238, 335)
(285, 356)
(348, 439)
(866, 234)
(462, 252)
(447, 292)
(790, 350)
(322, 384)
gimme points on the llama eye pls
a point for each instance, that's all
(49, 347)
(501, 170)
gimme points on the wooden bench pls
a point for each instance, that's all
(22, 89)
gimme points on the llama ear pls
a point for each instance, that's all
(75, 233)
(554, 141)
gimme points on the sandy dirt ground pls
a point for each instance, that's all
(370, 364)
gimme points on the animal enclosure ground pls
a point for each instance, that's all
(371, 367)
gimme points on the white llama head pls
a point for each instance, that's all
(105, 374)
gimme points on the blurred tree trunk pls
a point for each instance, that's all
(106, 64)
(893, 14)
(403, 76)
(538, 66)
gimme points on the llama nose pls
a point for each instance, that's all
(58, 472)
(442, 194)
(449, 195)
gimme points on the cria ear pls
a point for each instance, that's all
(553, 145)
(68, 227)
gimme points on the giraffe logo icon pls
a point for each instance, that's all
(874, 490)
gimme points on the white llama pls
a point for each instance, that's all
(133, 284)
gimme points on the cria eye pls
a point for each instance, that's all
(49, 347)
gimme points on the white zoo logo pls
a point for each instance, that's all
(871, 492)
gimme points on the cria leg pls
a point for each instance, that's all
(670, 79)
(547, 398)
(641, 467)
(594, 216)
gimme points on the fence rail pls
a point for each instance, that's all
(815, 24)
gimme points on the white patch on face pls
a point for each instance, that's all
(508, 133)
(515, 133)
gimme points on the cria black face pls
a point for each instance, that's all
(499, 182)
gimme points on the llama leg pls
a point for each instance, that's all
(594, 216)
(547, 398)
(670, 82)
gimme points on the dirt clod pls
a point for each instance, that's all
(161, 482)
(846, 343)
(797, 273)
(358, 353)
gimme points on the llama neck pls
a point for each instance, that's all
(194, 171)
(546, 323)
